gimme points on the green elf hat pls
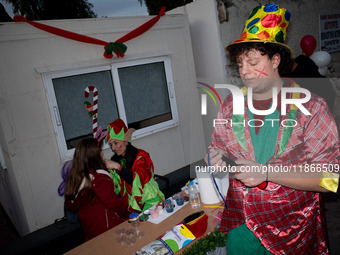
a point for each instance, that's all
(266, 23)
(118, 130)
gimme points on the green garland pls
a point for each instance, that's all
(207, 244)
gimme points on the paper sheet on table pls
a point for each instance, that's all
(163, 214)
(171, 242)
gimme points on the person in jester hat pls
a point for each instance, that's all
(131, 169)
(285, 161)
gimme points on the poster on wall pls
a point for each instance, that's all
(330, 31)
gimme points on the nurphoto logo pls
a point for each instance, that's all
(239, 102)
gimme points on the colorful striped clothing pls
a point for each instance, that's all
(285, 220)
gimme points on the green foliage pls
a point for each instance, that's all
(154, 6)
(52, 9)
(207, 244)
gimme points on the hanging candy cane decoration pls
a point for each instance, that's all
(94, 111)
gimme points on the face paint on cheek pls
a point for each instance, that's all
(120, 146)
(261, 72)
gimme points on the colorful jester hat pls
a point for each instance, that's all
(266, 23)
(118, 130)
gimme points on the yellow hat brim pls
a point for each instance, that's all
(264, 41)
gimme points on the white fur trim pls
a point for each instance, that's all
(101, 171)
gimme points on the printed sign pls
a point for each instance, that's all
(330, 32)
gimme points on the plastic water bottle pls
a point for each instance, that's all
(193, 196)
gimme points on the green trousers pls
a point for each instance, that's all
(241, 240)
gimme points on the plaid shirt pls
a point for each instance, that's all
(285, 220)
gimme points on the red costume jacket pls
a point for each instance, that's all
(285, 220)
(101, 213)
(144, 191)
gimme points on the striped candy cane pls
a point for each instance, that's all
(95, 107)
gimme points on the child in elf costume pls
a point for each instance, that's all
(131, 169)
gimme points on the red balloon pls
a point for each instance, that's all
(308, 44)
